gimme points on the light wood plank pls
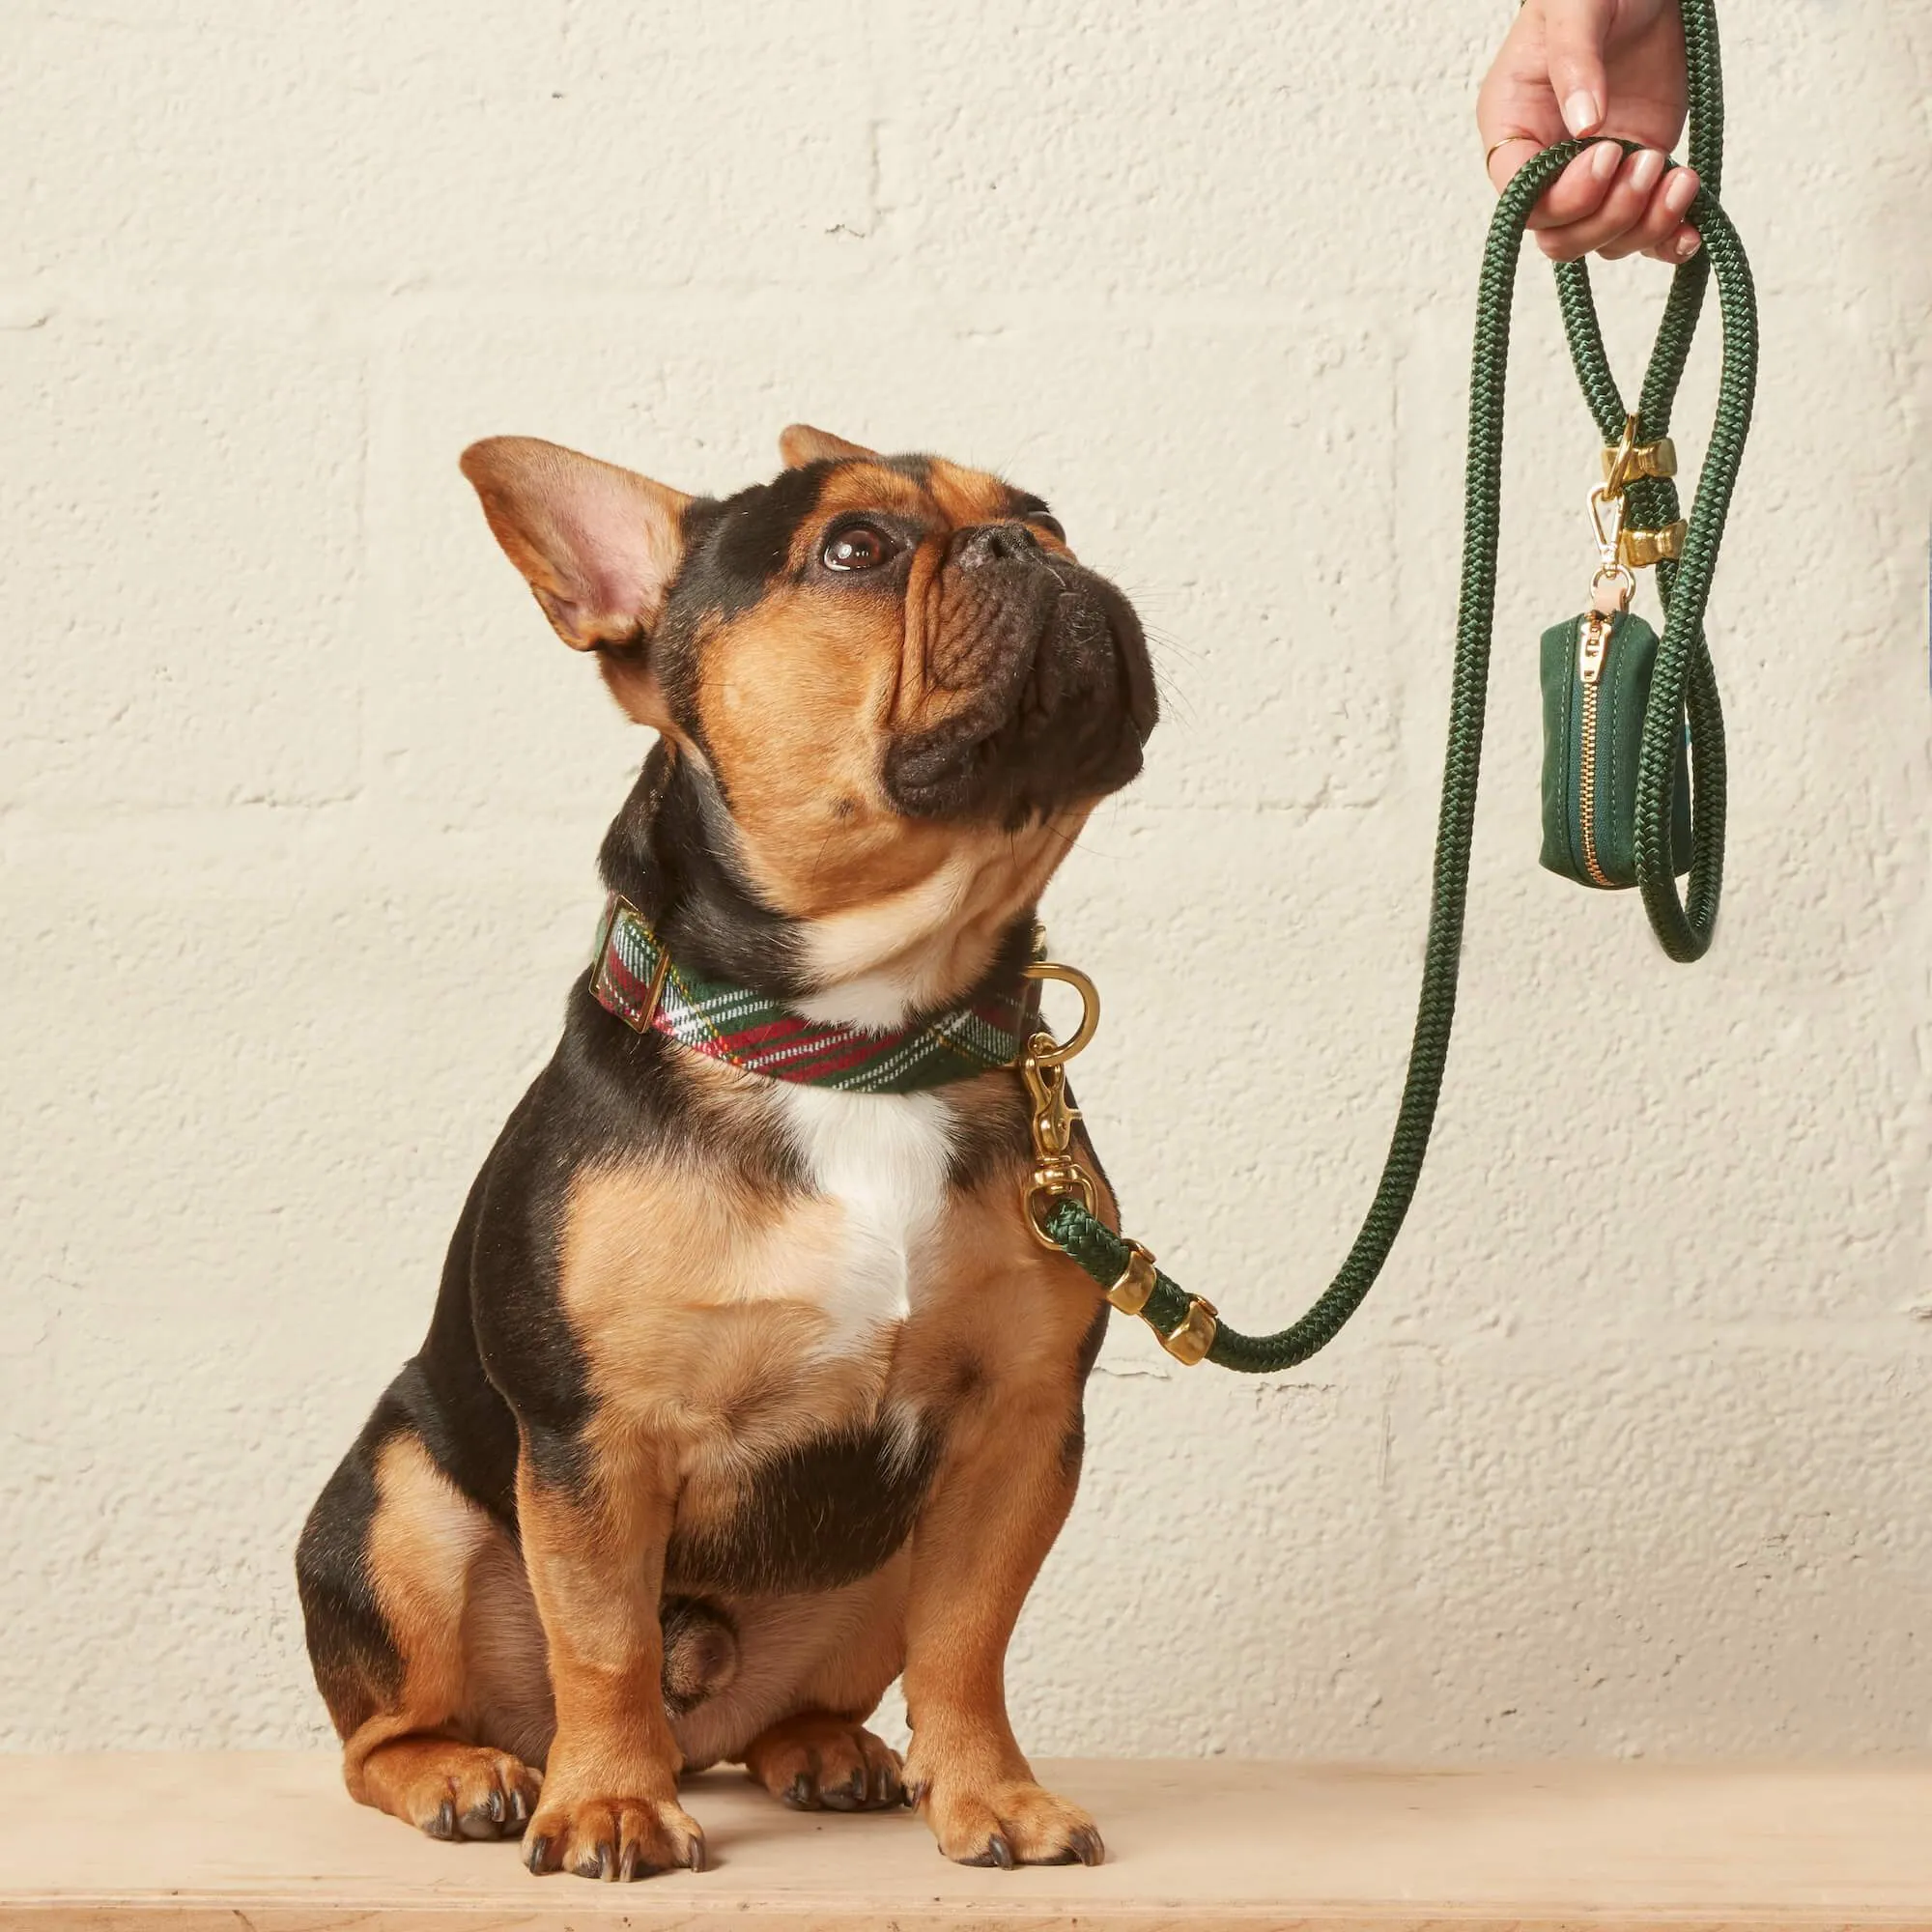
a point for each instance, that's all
(265, 1842)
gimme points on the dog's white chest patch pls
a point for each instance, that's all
(883, 1158)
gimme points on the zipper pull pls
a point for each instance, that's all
(1593, 647)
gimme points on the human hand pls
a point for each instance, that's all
(1595, 67)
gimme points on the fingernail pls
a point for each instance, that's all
(1681, 192)
(1580, 112)
(1646, 171)
(1687, 245)
(1606, 159)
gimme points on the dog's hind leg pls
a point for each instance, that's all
(819, 1755)
(422, 1650)
(820, 1760)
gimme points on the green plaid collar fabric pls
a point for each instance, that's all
(635, 978)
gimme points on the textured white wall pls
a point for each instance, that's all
(300, 802)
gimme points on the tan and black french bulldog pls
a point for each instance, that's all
(747, 1391)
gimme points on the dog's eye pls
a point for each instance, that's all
(858, 547)
(1049, 523)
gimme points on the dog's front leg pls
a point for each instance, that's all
(595, 1530)
(998, 1503)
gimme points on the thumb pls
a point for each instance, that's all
(1574, 33)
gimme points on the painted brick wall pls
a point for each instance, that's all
(298, 802)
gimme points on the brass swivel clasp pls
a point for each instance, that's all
(1613, 586)
(1057, 1173)
(1056, 1170)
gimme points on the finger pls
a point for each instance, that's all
(1663, 217)
(1621, 211)
(1515, 113)
(1578, 191)
(1508, 155)
(1573, 32)
(1679, 248)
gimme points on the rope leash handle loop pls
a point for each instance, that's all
(1682, 682)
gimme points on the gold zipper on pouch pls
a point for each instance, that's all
(1593, 647)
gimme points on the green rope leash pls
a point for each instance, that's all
(1683, 684)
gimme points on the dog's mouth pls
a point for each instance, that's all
(1057, 695)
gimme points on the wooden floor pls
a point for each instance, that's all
(270, 1843)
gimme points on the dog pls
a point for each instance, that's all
(749, 1389)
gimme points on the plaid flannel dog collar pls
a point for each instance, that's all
(633, 976)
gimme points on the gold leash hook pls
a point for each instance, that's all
(1056, 1170)
(1058, 1053)
(1606, 519)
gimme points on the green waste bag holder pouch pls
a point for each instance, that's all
(1595, 688)
(1598, 669)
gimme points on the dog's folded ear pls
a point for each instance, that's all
(599, 546)
(801, 444)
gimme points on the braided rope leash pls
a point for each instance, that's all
(1059, 1203)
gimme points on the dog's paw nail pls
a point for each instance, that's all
(800, 1792)
(1001, 1851)
(443, 1824)
(537, 1854)
(627, 1866)
(695, 1852)
(1086, 1846)
(519, 1808)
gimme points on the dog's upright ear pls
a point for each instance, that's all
(801, 444)
(599, 547)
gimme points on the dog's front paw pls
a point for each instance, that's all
(1012, 1822)
(613, 1837)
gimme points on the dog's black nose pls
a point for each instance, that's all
(993, 542)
